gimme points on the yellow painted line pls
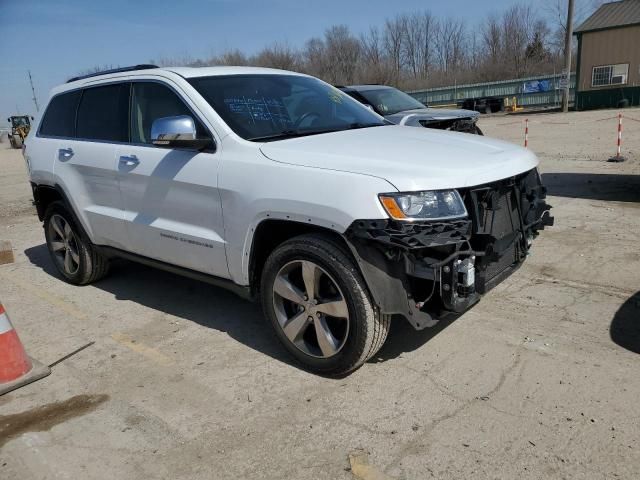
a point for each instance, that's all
(145, 350)
(68, 308)
(59, 303)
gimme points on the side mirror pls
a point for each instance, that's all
(32, 119)
(179, 131)
(9, 120)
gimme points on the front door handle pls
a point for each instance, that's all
(129, 160)
(65, 153)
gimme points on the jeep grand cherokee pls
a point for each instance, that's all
(284, 189)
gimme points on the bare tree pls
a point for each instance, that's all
(430, 27)
(374, 66)
(232, 57)
(96, 69)
(277, 56)
(418, 50)
(371, 47)
(394, 30)
(557, 13)
(449, 43)
(418, 45)
(314, 57)
(342, 51)
(492, 42)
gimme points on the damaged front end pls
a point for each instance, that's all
(449, 120)
(425, 270)
(463, 125)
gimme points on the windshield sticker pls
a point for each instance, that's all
(259, 109)
(335, 96)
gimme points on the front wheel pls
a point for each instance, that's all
(320, 307)
(16, 141)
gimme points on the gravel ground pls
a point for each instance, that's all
(539, 380)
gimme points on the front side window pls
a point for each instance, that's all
(272, 107)
(103, 113)
(150, 101)
(389, 100)
(60, 117)
(610, 75)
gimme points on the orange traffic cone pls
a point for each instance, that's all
(16, 368)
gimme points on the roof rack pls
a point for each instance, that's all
(113, 70)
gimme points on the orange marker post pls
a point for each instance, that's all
(618, 157)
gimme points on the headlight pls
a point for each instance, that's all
(428, 205)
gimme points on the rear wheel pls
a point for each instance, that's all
(319, 305)
(73, 254)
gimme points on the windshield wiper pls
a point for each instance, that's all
(303, 133)
(279, 136)
(353, 126)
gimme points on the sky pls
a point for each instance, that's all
(58, 39)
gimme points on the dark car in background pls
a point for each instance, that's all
(402, 109)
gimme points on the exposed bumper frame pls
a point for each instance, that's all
(390, 253)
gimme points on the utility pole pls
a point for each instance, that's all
(567, 57)
(33, 91)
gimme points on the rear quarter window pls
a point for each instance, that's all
(60, 117)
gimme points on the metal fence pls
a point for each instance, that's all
(502, 89)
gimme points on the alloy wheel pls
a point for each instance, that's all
(311, 309)
(64, 245)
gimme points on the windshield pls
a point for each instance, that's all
(389, 100)
(273, 107)
(19, 121)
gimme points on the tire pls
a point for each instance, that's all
(74, 256)
(16, 141)
(340, 289)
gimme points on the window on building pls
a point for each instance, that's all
(610, 75)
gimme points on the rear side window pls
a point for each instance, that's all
(59, 119)
(151, 101)
(104, 113)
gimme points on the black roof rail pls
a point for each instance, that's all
(114, 70)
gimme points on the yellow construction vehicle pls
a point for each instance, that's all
(20, 127)
(511, 105)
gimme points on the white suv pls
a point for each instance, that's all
(281, 187)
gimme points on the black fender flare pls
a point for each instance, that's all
(41, 208)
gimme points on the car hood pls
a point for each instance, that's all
(430, 115)
(408, 158)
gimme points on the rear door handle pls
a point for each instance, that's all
(129, 160)
(65, 153)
